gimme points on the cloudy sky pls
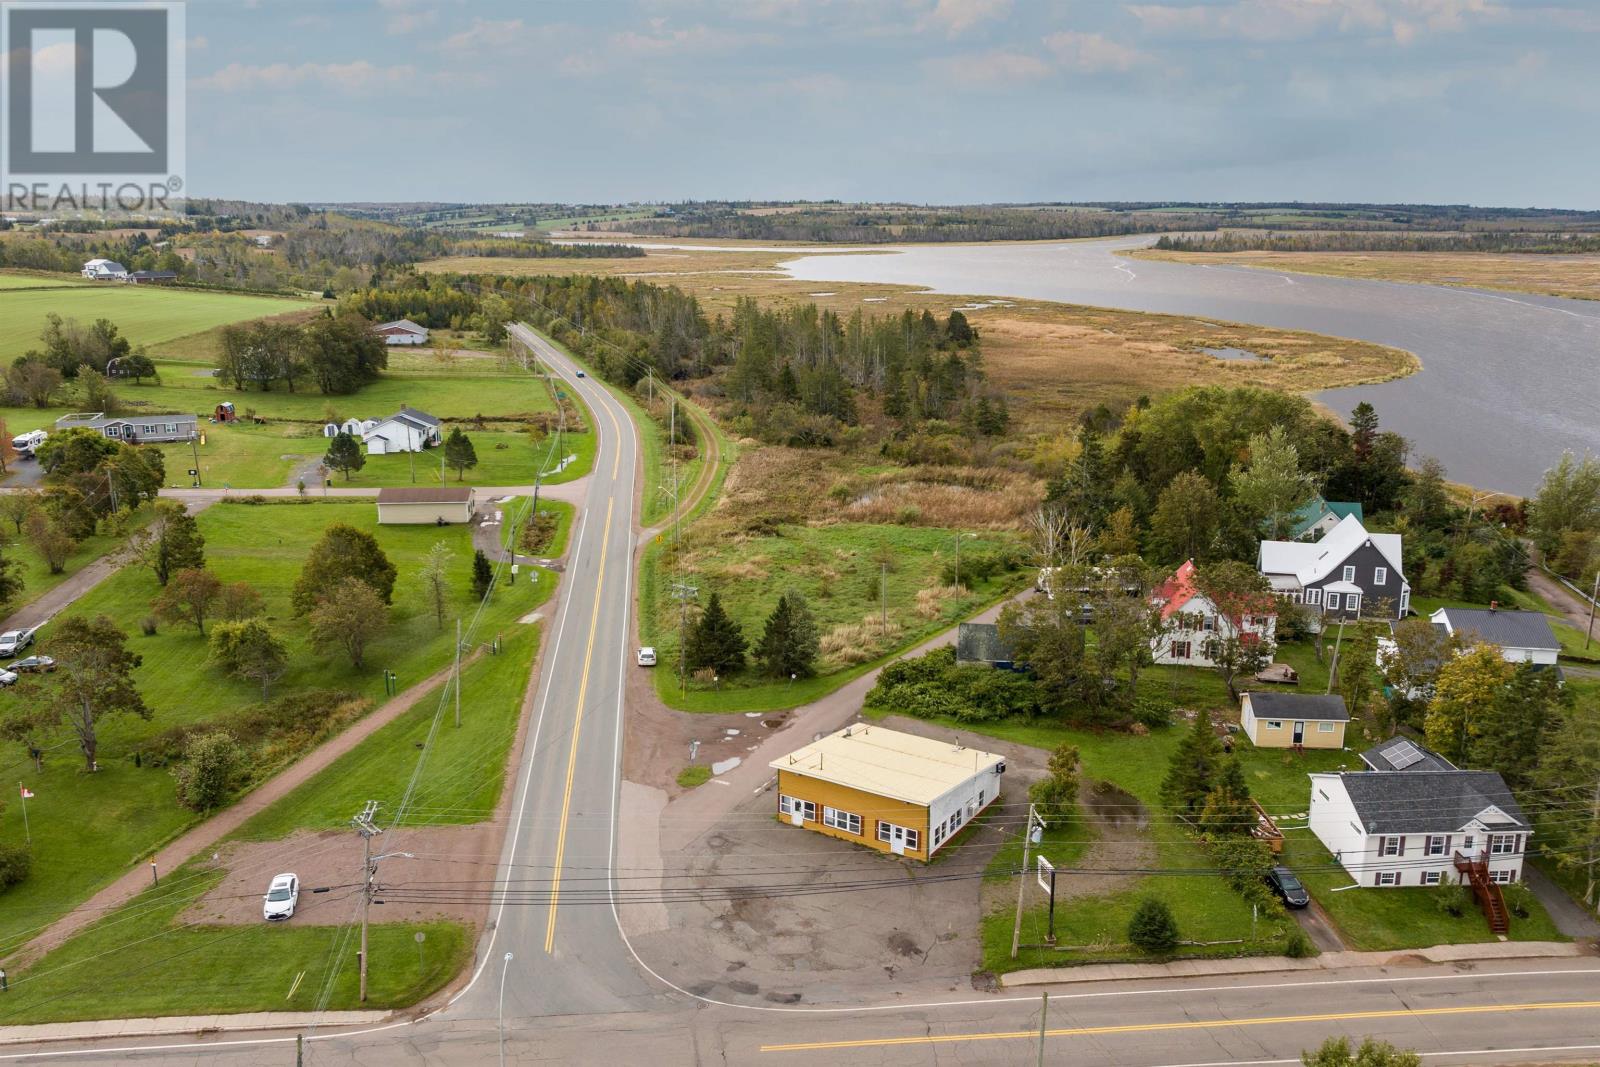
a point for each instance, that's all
(921, 100)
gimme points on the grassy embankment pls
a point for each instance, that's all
(134, 806)
(1577, 277)
(564, 514)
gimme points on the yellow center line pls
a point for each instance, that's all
(583, 691)
(1189, 1024)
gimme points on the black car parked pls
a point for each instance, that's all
(1288, 887)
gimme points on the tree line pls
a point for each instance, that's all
(1543, 243)
(338, 354)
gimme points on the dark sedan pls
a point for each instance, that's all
(1288, 888)
(34, 663)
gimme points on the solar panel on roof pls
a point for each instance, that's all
(1401, 754)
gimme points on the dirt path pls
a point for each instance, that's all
(1573, 609)
(206, 834)
(50, 604)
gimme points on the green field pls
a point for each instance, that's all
(17, 280)
(264, 545)
(147, 315)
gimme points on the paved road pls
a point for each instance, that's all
(574, 992)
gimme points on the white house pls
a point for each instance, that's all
(402, 332)
(1523, 636)
(1192, 624)
(1347, 574)
(407, 430)
(1409, 828)
(105, 270)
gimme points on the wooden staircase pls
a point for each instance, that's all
(1488, 894)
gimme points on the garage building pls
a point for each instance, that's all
(401, 507)
(894, 792)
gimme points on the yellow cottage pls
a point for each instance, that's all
(894, 792)
(1293, 720)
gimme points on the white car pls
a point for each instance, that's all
(14, 641)
(8, 677)
(282, 895)
(647, 656)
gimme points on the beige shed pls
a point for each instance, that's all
(401, 507)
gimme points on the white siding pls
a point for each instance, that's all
(964, 799)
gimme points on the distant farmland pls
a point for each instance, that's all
(146, 315)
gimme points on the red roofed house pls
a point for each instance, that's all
(1191, 622)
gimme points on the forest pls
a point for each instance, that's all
(1537, 242)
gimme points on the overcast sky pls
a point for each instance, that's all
(918, 100)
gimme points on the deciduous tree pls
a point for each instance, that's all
(1568, 499)
(1467, 689)
(18, 504)
(351, 616)
(209, 768)
(1056, 794)
(434, 577)
(188, 597)
(1271, 487)
(172, 543)
(93, 680)
(1187, 518)
(237, 601)
(50, 539)
(249, 649)
(342, 552)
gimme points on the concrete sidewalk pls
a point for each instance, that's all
(1328, 961)
(192, 1025)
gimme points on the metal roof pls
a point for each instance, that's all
(886, 763)
(425, 496)
(1318, 707)
(1421, 801)
(1312, 562)
(1508, 629)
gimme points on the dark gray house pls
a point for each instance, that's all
(134, 429)
(1349, 574)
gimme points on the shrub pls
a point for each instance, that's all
(148, 625)
(206, 775)
(1298, 946)
(15, 863)
(1451, 898)
(1519, 899)
(1152, 928)
(1152, 712)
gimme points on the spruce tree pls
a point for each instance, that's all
(344, 454)
(716, 641)
(482, 574)
(789, 643)
(1194, 766)
(1227, 811)
(459, 453)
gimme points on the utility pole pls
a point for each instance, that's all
(458, 672)
(194, 446)
(1022, 876)
(1333, 668)
(683, 593)
(365, 827)
(1588, 634)
(883, 592)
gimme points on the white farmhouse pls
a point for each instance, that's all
(1523, 636)
(105, 270)
(1414, 827)
(407, 430)
(1192, 624)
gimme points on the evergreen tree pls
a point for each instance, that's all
(1227, 811)
(1057, 794)
(1152, 927)
(1193, 769)
(459, 453)
(789, 642)
(344, 454)
(173, 543)
(716, 641)
(482, 575)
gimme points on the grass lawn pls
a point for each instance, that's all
(837, 569)
(465, 771)
(1396, 918)
(146, 315)
(693, 775)
(38, 280)
(36, 576)
(264, 545)
(142, 961)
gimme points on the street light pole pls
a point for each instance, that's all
(1588, 634)
(503, 971)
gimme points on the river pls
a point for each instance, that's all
(1508, 381)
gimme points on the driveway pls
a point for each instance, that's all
(1318, 927)
(1570, 917)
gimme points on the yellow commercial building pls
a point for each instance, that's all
(894, 792)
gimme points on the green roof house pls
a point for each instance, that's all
(1318, 516)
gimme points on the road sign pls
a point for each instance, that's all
(1047, 872)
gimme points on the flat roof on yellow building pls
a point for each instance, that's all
(916, 770)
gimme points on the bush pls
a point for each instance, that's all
(1519, 899)
(206, 775)
(538, 533)
(1152, 712)
(15, 863)
(1452, 898)
(1152, 928)
(271, 732)
(1298, 946)
(934, 686)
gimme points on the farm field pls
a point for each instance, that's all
(147, 315)
(264, 545)
(38, 280)
(1552, 275)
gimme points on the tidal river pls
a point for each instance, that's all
(1508, 381)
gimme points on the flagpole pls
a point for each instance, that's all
(25, 830)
